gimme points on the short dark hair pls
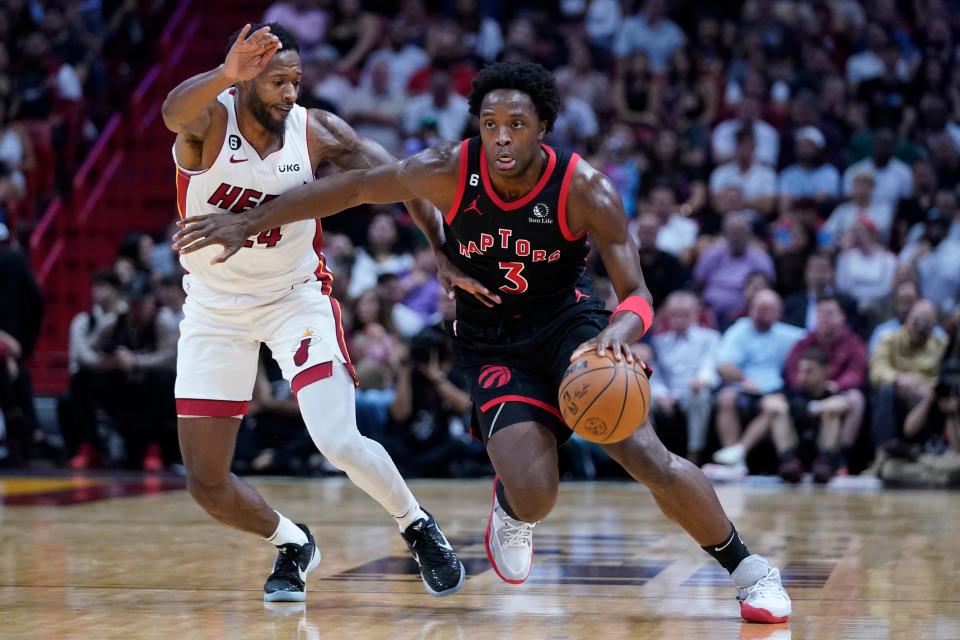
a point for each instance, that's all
(288, 41)
(528, 77)
(106, 276)
(830, 297)
(816, 354)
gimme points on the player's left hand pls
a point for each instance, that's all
(450, 277)
(611, 339)
(196, 232)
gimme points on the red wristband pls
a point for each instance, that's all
(639, 306)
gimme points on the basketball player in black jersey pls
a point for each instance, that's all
(513, 240)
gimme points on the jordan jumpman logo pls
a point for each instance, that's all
(580, 295)
(473, 206)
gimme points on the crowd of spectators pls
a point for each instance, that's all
(65, 67)
(790, 171)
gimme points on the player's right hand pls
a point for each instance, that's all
(249, 56)
(196, 232)
(450, 277)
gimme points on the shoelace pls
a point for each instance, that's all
(768, 585)
(517, 533)
(430, 548)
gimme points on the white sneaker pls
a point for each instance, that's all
(760, 592)
(733, 455)
(509, 544)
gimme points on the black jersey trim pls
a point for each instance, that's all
(537, 188)
(562, 206)
(461, 181)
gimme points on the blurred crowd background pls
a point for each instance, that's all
(790, 171)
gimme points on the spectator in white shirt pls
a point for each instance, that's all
(756, 182)
(678, 234)
(375, 111)
(893, 177)
(835, 231)
(441, 104)
(402, 58)
(811, 177)
(653, 32)
(865, 271)
(869, 64)
(325, 84)
(723, 141)
(686, 371)
(937, 259)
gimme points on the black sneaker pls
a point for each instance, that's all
(440, 568)
(288, 582)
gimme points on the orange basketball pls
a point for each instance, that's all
(602, 400)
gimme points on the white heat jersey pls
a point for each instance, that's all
(273, 261)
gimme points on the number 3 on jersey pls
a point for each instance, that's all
(269, 238)
(512, 275)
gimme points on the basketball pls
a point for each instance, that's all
(602, 400)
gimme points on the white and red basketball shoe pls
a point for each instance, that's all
(760, 591)
(509, 544)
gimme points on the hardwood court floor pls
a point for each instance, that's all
(858, 565)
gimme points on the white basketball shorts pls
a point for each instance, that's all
(218, 350)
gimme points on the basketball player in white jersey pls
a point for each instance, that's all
(242, 140)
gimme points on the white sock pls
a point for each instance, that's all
(329, 409)
(286, 533)
(410, 517)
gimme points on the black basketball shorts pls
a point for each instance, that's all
(508, 388)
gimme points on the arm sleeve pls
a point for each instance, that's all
(855, 371)
(793, 358)
(729, 351)
(881, 364)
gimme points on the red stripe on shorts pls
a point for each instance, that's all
(317, 372)
(526, 400)
(211, 408)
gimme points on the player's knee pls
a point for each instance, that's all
(534, 500)
(342, 452)
(206, 488)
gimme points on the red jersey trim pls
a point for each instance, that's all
(211, 408)
(516, 204)
(562, 207)
(315, 373)
(183, 181)
(461, 182)
(341, 340)
(524, 399)
(321, 273)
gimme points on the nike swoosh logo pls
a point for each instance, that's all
(235, 161)
(303, 574)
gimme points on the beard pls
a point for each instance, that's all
(262, 114)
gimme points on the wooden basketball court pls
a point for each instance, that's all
(111, 557)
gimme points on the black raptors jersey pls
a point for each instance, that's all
(521, 250)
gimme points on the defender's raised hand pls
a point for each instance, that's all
(248, 56)
(450, 276)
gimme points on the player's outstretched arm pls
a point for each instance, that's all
(339, 143)
(594, 206)
(415, 177)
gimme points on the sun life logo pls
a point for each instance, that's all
(540, 212)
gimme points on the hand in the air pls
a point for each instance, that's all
(196, 232)
(450, 276)
(249, 56)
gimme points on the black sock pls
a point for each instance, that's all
(730, 552)
(502, 499)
